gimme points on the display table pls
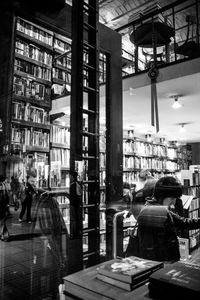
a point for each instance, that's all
(85, 285)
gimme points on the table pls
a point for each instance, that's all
(86, 286)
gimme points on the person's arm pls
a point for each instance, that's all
(185, 223)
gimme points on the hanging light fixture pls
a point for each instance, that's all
(182, 127)
(176, 104)
(148, 137)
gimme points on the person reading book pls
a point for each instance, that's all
(157, 223)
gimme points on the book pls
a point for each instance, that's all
(123, 285)
(129, 269)
(187, 199)
(176, 279)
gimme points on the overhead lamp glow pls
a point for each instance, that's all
(176, 104)
(182, 128)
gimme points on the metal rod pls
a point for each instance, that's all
(115, 231)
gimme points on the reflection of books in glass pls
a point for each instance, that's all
(129, 269)
(121, 284)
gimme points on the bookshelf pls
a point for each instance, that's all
(30, 101)
(59, 156)
(38, 70)
(191, 206)
(159, 158)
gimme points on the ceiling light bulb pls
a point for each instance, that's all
(182, 128)
(176, 104)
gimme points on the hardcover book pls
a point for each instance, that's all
(129, 269)
(121, 284)
(178, 278)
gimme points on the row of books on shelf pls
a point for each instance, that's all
(61, 74)
(35, 32)
(63, 46)
(59, 178)
(32, 69)
(142, 147)
(30, 88)
(195, 204)
(60, 157)
(33, 52)
(29, 137)
(132, 162)
(27, 112)
(60, 135)
(194, 213)
(133, 176)
(42, 35)
(64, 62)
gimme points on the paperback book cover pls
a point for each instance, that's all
(178, 278)
(129, 269)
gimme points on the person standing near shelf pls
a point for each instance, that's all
(75, 205)
(147, 181)
(127, 195)
(27, 196)
(157, 224)
(4, 209)
(16, 187)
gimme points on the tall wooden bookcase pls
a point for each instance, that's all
(35, 59)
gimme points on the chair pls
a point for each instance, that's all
(189, 48)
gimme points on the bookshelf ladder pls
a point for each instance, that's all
(85, 120)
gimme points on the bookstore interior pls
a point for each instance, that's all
(106, 89)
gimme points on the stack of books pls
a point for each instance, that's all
(127, 273)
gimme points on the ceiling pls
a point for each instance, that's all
(136, 102)
(137, 109)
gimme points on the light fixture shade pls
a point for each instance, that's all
(176, 104)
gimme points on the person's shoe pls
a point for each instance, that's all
(29, 221)
(20, 220)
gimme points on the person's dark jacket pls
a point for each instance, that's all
(29, 192)
(157, 232)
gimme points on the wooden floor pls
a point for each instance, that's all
(28, 270)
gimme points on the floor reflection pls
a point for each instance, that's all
(32, 263)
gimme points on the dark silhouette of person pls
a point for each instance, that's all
(4, 212)
(27, 197)
(75, 196)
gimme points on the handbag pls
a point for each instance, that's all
(133, 244)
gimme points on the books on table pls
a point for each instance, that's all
(121, 284)
(127, 273)
(179, 278)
